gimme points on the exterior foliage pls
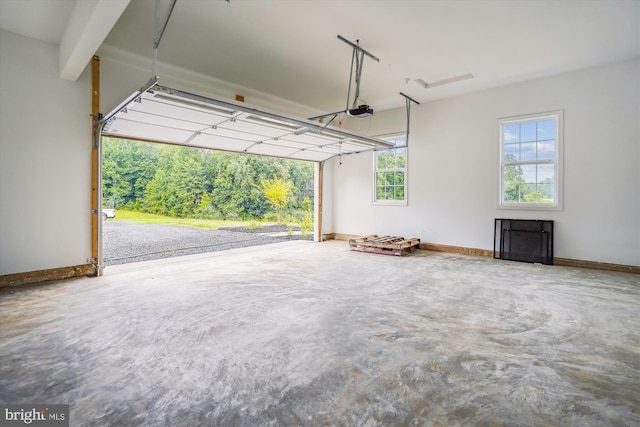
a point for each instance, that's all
(390, 168)
(191, 182)
(277, 193)
(516, 189)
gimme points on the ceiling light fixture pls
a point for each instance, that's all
(442, 82)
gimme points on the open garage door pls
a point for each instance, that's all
(162, 114)
(167, 115)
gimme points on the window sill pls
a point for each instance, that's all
(389, 203)
(530, 207)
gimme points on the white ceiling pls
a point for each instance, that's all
(44, 20)
(289, 48)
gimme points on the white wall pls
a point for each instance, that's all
(45, 160)
(453, 167)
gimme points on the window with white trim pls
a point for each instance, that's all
(530, 161)
(390, 172)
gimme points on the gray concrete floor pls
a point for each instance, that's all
(302, 333)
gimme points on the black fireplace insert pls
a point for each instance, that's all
(526, 240)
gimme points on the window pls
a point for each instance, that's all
(530, 159)
(390, 169)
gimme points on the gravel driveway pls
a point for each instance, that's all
(124, 242)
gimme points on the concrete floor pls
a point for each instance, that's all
(302, 333)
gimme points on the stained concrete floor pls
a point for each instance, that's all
(310, 334)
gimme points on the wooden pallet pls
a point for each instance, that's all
(386, 245)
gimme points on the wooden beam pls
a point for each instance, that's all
(95, 160)
(88, 26)
(319, 171)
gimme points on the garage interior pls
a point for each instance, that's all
(312, 333)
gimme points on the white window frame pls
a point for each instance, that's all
(391, 137)
(556, 161)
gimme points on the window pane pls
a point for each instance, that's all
(512, 152)
(529, 173)
(388, 178)
(512, 173)
(510, 193)
(390, 168)
(527, 151)
(546, 130)
(546, 192)
(512, 176)
(546, 150)
(528, 132)
(546, 186)
(522, 191)
(511, 133)
(545, 173)
(536, 144)
(388, 193)
(391, 160)
(400, 158)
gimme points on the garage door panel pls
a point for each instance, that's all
(249, 127)
(311, 139)
(182, 111)
(159, 113)
(123, 128)
(274, 150)
(217, 142)
(312, 155)
(221, 132)
(154, 120)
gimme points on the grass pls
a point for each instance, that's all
(146, 218)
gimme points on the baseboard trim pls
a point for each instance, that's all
(39, 276)
(456, 250)
(565, 262)
(340, 236)
(568, 262)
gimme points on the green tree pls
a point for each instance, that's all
(128, 166)
(191, 182)
(276, 191)
(234, 194)
(513, 182)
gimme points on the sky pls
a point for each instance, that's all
(531, 141)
